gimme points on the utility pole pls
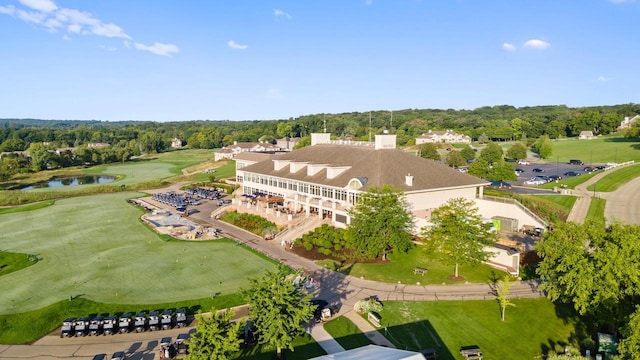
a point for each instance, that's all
(369, 126)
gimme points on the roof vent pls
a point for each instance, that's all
(408, 180)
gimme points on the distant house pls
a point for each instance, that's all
(443, 136)
(586, 135)
(176, 143)
(229, 152)
(97, 145)
(628, 122)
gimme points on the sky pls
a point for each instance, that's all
(167, 60)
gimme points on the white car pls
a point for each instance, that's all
(534, 181)
(523, 162)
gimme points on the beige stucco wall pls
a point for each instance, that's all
(489, 209)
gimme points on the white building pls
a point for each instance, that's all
(443, 136)
(628, 122)
(229, 152)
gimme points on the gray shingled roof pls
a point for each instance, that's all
(379, 167)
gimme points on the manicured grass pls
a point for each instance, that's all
(224, 169)
(615, 178)
(304, 348)
(29, 207)
(596, 209)
(346, 333)
(611, 148)
(530, 330)
(400, 269)
(27, 327)
(565, 201)
(95, 246)
(10, 262)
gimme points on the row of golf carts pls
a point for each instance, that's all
(109, 325)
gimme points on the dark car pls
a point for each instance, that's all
(554, 177)
(576, 162)
(500, 184)
(537, 170)
(572, 173)
(589, 169)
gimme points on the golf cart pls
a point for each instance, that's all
(110, 325)
(180, 344)
(181, 317)
(96, 325)
(141, 322)
(125, 323)
(167, 349)
(67, 327)
(81, 326)
(320, 311)
(154, 321)
(167, 319)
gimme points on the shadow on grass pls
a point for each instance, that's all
(621, 140)
(416, 336)
(584, 330)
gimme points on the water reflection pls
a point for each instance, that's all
(72, 181)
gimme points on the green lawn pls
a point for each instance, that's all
(346, 333)
(400, 269)
(596, 209)
(615, 178)
(531, 328)
(96, 247)
(612, 148)
(565, 201)
(26, 327)
(10, 262)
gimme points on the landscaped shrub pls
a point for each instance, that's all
(327, 239)
(252, 223)
(368, 305)
(307, 245)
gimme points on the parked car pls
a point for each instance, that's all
(500, 184)
(535, 181)
(555, 177)
(589, 169)
(538, 170)
(572, 173)
(523, 162)
(576, 162)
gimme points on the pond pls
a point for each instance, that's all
(71, 181)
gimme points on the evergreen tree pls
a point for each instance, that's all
(216, 336)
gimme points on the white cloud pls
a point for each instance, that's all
(281, 14)
(40, 5)
(76, 22)
(536, 44)
(8, 10)
(603, 79)
(622, 1)
(508, 47)
(234, 45)
(159, 48)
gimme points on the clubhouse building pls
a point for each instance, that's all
(327, 177)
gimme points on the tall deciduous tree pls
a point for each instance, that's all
(502, 171)
(459, 233)
(594, 267)
(629, 347)
(517, 151)
(454, 158)
(468, 153)
(429, 151)
(278, 308)
(380, 222)
(491, 153)
(216, 336)
(544, 147)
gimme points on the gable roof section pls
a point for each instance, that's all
(378, 167)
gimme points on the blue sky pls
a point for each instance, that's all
(167, 60)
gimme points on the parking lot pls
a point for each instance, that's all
(548, 169)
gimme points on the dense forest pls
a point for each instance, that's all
(497, 122)
(49, 142)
